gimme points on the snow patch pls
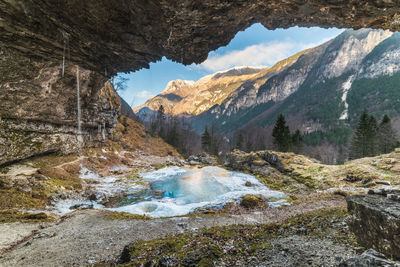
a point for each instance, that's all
(185, 190)
(346, 87)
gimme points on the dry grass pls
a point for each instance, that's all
(131, 135)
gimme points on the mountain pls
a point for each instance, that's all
(322, 90)
(192, 98)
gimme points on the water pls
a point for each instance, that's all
(184, 190)
(175, 191)
(63, 60)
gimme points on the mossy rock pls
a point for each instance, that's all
(8, 216)
(251, 201)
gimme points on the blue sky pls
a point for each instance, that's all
(256, 46)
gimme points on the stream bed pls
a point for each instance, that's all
(173, 191)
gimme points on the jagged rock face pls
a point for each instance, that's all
(104, 37)
(192, 98)
(38, 111)
(369, 258)
(346, 58)
(113, 36)
(376, 221)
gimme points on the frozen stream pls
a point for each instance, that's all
(174, 191)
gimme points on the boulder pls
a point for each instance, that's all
(370, 258)
(251, 201)
(375, 220)
(81, 207)
(273, 159)
(203, 158)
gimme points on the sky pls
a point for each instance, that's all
(256, 46)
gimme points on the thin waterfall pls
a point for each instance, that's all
(78, 103)
(63, 60)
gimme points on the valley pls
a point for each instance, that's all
(275, 142)
(319, 90)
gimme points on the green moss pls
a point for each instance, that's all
(160, 167)
(251, 201)
(4, 170)
(52, 160)
(205, 262)
(205, 247)
(8, 216)
(258, 246)
(11, 198)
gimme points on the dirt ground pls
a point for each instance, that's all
(86, 237)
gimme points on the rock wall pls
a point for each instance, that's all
(376, 221)
(104, 37)
(38, 111)
(111, 36)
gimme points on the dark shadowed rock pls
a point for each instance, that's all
(203, 158)
(251, 201)
(273, 159)
(375, 220)
(38, 108)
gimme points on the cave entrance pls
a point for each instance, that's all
(320, 80)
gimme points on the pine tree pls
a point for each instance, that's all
(206, 140)
(281, 134)
(365, 139)
(240, 141)
(387, 136)
(173, 137)
(214, 147)
(297, 140)
(341, 159)
(372, 137)
(160, 114)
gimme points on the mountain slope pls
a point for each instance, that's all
(321, 90)
(189, 97)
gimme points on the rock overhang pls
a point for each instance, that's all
(109, 36)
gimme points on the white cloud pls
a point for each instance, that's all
(264, 54)
(144, 94)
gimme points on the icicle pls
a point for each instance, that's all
(66, 46)
(78, 102)
(63, 62)
(103, 132)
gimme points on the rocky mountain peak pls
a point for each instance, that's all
(352, 48)
(176, 85)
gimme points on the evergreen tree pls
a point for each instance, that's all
(249, 145)
(160, 113)
(240, 141)
(387, 136)
(365, 139)
(206, 140)
(341, 159)
(281, 134)
(297, 140)
(214, 140)
(372, 137)
(173, 137)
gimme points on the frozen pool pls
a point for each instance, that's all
(183, 190)
(174, 191)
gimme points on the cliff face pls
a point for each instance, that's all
(38, 111)
(193, 98)
(334, 59)
(111, 36)
(297, 86)
(104, 37)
